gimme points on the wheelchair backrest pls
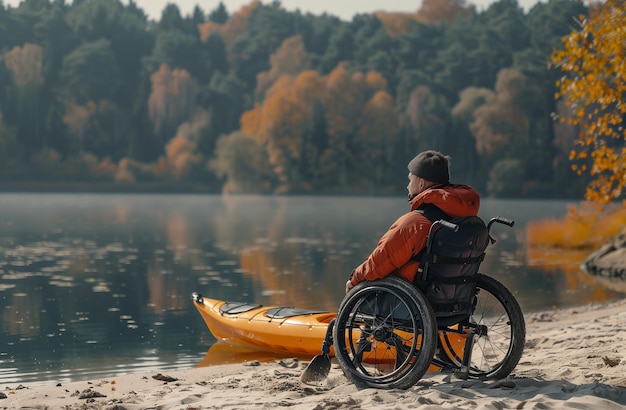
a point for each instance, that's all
(447, 273)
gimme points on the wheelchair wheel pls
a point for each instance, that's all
(500, 333)
(385, 334)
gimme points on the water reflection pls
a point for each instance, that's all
(101, 284)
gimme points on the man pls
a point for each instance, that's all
(429, 185)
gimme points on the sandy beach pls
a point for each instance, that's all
(574, 358)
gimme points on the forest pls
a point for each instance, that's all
(268, 101)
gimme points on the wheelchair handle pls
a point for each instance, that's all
(449, 225)
(433, 227)
(500, 220)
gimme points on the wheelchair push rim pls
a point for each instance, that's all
(499, 326)
(385, 334)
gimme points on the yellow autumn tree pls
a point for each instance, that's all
(317, 129)
(592, 101)
(182, 151)
(593, 86)
(290, 58)
(279, 123)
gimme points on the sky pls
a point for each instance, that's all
(344, 9)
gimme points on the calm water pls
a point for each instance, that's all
(100, 285)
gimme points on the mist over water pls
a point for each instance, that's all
(97, 285)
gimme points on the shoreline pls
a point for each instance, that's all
(573, 358)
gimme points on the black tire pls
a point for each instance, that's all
(385, 334)
(499, 343)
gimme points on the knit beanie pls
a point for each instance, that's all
(431, 166)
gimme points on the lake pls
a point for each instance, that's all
(100, 285)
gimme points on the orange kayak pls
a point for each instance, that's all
(282, 330)
(278, 329)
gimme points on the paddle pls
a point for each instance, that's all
(319, 366)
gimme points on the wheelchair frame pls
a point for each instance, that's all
(387, 335)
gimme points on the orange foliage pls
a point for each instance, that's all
(307, 86)
(430, 12)
(25, 65)
(594, 88)
(442, 11)
(76, 118)
(585, 227)
(233, 28)
(289, 58)
(375, 81)
(128, 170)
(564, 244)
(207, 29)
(124, 173)
(250, 121)
(181, 152)
(342, 99)
(568, 261)
(105, 167)
(356, 109)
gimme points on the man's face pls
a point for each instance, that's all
(415, 185)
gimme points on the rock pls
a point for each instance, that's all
(164, 378)
(611, 361)
(610, 260)
(90, 394)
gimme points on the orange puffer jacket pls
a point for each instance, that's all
(407, 236)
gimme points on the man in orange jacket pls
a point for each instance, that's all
(429, 185)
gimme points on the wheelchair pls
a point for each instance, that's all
(388, 333)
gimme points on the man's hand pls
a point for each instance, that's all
(349, 286)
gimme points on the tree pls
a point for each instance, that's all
(182, 151)
(219, 14)
(25, 65)
(446, 11)
(216, 54)
(266, 29)
(317, 129)
(289, 58)
(423, 120)
(501, 124)
(376, 131)
(171, 19)
(594, 87)
(184, 51)
(243, 164)
(464, 153)
(172, 100)
(340, 47)
(232, 28)
(90, 73)
(278, 125)
(98, 128)
(9, 149)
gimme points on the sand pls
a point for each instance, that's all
(573, 358)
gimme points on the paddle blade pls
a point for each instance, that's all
(317, 370)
